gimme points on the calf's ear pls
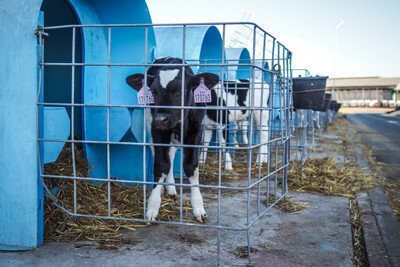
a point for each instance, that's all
(136, 80)
(210, 79)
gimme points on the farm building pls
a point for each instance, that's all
(366, 91)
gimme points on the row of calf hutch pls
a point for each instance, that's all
(313, 109)
(69, 83)
(67, 67)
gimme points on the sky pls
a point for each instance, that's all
(368, 42)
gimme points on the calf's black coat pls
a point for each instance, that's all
(166, 122)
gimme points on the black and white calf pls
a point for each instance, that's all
(237, 94)
(165, 82)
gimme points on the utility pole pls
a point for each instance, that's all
(340, 23)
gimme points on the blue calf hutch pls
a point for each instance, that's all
(21, 198)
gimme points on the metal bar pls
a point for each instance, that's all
(144, 65)
(174, 223)
(40, 84)
(145, 111)
(147, 221)
(248, 245)
(40, 68)
(142, 144)
(108, 122)
(251, 126)
(164, 183)
(220, 152)
(182, 122)
(261, 121)
(152, 107)
(272, 102)
(156, 25)
(73, 113)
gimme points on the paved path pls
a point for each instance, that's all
(381, 134)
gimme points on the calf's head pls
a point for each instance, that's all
(166, 87)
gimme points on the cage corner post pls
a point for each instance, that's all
(40, 132)
(21, 211)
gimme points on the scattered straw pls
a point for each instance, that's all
(321, 176)
(360, 257)
(240, 166)
(63, 165)
(92, 199)
(324, 176)
(243, 252)
(291, 206)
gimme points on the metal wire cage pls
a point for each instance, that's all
(300, 142)
(244, 153)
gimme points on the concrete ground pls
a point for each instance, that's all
(320, 235)
(380, 226)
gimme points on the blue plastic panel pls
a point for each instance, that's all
(127, 46)
(56, 124)
(238, 56)
(203, 45)
(20, 195)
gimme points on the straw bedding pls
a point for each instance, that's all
(323, 176)
(92, 199)
(320, 176)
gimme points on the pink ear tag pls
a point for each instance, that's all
(149, 95)
(202, 94)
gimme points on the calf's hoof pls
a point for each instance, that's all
(151, 215)
(200, 214)
(150, 219)
(201, 218)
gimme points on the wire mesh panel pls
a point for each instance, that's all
(201, 121)
(299, 142)
(310, 129)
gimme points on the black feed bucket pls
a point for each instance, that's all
(335, 106)
(327, 103)
(309, 92)
(333, 103)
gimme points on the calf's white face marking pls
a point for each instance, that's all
(166, 76)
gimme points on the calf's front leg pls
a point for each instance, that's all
(162, 166)
(191, 168)
(196, 198)
(155, 201)
(171, 189)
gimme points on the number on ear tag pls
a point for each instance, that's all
(202, 94)
(142, 96)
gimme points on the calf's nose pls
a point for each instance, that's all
(161, 118)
